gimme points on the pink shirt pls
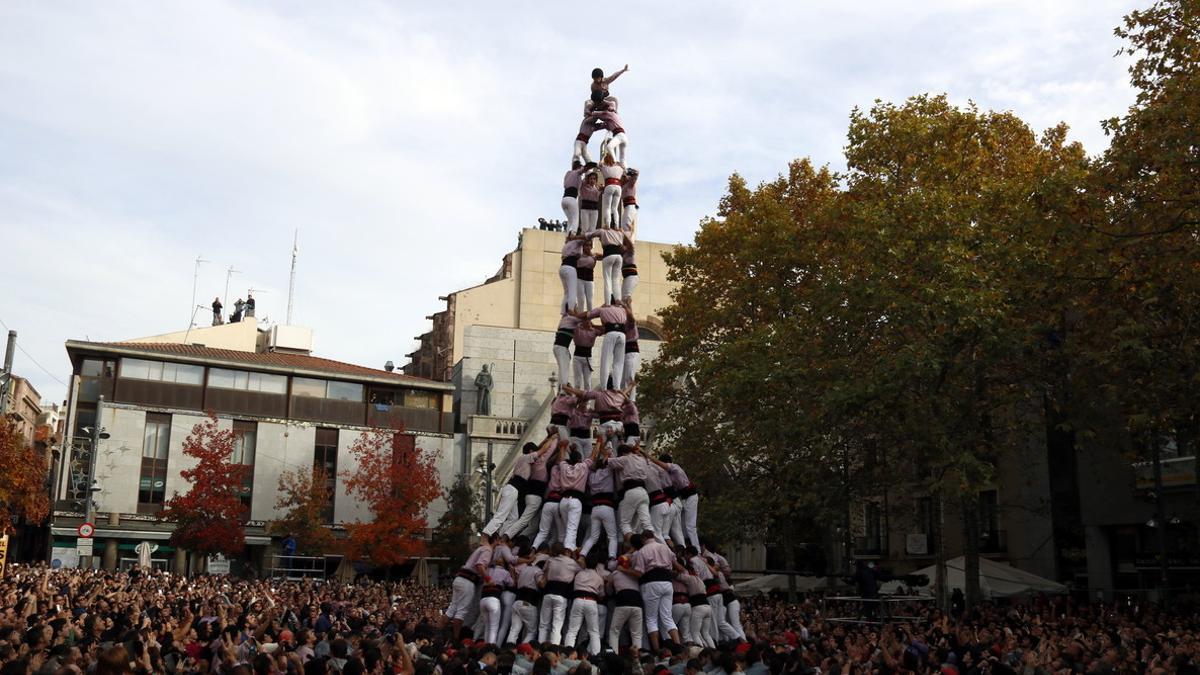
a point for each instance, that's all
(611, 237)
(693, 583)
(562, 405)
(654, 478)
(590, 581)
(613, 172)
(629, 190)
(624, 582)
(586, 261)
(631, 332)
(678, 478)
(700, 567)
(573, 179)
(500, 577)
(568, 322)
(606, 400)
(580, 418)
(627, 257)
(585, 334)
(502, 553)
(652, 555)
(561, 568)
(521, 465)
(589, 192)
(527, 576)
(481, 556)
(570, 477)
(609, 314)
(537, 468)
(631, 466)
(572, 248)
(601, 481)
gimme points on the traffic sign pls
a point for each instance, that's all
(86, 530)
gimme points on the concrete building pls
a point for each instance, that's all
(508, 324)
(287, 408)
(24, 405)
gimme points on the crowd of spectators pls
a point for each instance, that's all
(71, 622)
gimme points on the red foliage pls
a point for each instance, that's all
(396, 480)
(23, 480)
(209, 518)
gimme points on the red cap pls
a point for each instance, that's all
(742, 649)
(525, 648)
(285, 635)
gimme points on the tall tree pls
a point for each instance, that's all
(23, 480)
(304, 498)
(210, 517)
(396, 480)
(452, 536)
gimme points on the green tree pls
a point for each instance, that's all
(452, 535)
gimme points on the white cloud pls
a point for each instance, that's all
(409, 142)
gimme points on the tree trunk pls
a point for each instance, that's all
(789, 557)
(940, 591)
(971, 531)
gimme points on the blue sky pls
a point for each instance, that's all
(410, 142)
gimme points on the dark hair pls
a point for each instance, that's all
(541, 666)
(665, 458)
(597, 73)
(597, 96)
(574, 457)
(528, 448)
(635, 540)
(113, 661)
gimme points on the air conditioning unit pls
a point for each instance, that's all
(291, 339)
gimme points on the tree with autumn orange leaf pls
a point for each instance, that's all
(396, 480)
(209, 517)
(23, 481)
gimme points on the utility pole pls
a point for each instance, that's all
(6, 376)
(97, 431)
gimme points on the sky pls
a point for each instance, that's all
(409, 143)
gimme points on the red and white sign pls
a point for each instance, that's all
(86, 530)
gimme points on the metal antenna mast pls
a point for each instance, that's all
(292, 280)
(195, 278)
(229, 272)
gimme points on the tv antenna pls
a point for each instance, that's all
(229, 272)
(292, 279)
(195, 277)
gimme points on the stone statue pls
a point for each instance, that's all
(483, 385)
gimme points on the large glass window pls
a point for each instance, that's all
(414, 398)
(156, 444)
(325, 461)
(341, 391)
(158, 371)
(222, 378)
(245, 439)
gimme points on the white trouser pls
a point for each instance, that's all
(604, 519)
(582, 368)
(583, 445)
(562, 356)
(566, 274)
(675, 522)
(506, 511)
(570, 509)
(570, 207)
(620, 617)
(633, 363)
(583, 290)
(489, 610)
(682, 615)
(584, 610)
(658, 519)
(532, 502)
(588, 219)
(619, 145)
(733, 616)
(702, 627)
(461, 597)
(656, 602)
(628, 284)
(524, 618)
(721, 630)
(581, 152)
(554, 610)
(628, 217)
(691, 506)
(634, 512)
(612, 358)
(610, 201)
(547, 527)
(507, 598)
(611, 269)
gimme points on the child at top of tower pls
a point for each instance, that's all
(600, 82)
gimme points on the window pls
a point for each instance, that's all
(989, 511)
(156, 444)
(414, 398)
(91, 374)
(925, 516)
(325, 461)
(247, 381)
(332, 389)
(159, 371)
(96, 368)
(245, 438)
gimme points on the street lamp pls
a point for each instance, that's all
(98, 433)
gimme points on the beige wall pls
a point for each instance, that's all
(240, 337)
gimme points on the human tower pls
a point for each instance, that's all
(538, 562)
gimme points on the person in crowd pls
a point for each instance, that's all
(216, 308)
(570, 199)
(612, 241)
(589, 588)
(610, 198)
(535, 477)
(589, 200)
(602, 495)
(600, 82)
(250, 305)
(584, 337)
(629, 210)
(585, 277)
(471, 574)
(558, 580)
(561, 349)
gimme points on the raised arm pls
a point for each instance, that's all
(612, 78)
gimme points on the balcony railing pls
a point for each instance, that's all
(486, 426)
(993, 541)
(1176, 472)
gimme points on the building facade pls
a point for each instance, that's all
(287, 410)
(24, 406)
